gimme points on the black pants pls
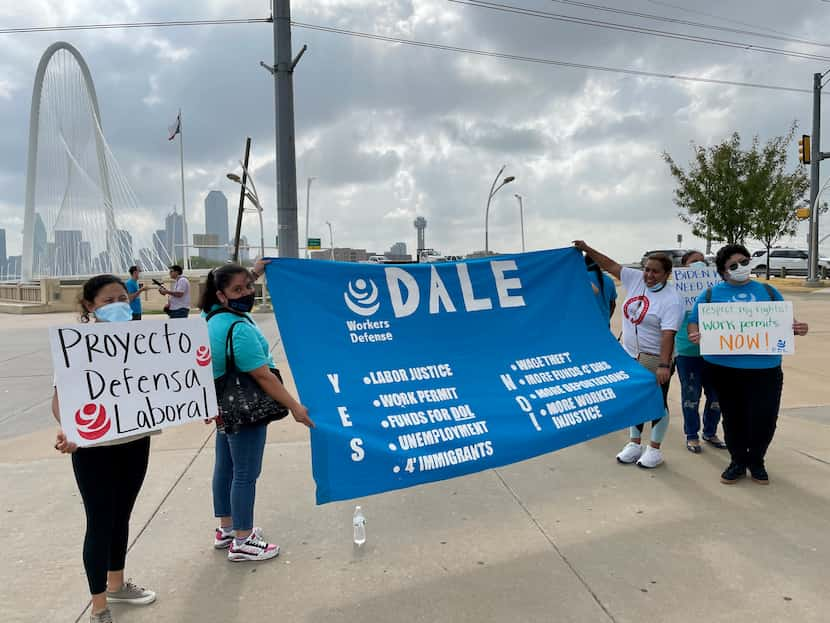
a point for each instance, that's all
(749, 402)
(136, 316)
(109, 479)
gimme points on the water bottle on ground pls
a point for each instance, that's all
(359, 524)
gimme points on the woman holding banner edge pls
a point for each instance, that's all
(109, 477)
(239, 455)
(651, 316)
(748, 386)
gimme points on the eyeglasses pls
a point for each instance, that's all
(734, 265)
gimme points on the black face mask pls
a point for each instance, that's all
(243, 303)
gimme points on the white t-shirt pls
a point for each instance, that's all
(181, 302)
(646, 314)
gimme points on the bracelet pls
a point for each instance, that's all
(663, 365)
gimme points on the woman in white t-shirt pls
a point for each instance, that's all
(651, 315)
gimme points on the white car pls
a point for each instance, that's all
(795, 261)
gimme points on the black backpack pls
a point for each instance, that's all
(770, 292)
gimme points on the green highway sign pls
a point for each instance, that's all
(313, 243)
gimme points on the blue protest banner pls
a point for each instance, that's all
(420, 372)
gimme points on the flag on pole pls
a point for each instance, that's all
(176, 128)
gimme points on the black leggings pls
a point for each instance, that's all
(109, 479)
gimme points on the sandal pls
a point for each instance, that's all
(715, 442)
(693, 446)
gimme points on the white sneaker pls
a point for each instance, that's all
(630, 453)
(253, 548)
(223, 538)
(651, 458)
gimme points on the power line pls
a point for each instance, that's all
(545, 61)
(559, 17)
(162, 24)
(719, 17)
(677, 20)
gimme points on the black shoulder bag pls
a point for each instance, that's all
(242, 402)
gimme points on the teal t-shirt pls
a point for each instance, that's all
(132, 288)
(250, 348)
(682, 345)
(725, 292)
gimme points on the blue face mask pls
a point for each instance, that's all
(698, 264)
(114, 312)
(656, 287)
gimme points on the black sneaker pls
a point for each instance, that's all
(759, 474)
(733, 474)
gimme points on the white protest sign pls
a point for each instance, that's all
(764, 328)
(120, 379)
(690, 282)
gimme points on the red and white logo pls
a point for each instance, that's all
(203, 356)
(92, 421)
(636, 308)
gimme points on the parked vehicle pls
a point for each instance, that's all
(794, 261)
(676, 256)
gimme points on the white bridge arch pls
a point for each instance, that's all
(76, 195)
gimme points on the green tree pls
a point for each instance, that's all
(729, 194)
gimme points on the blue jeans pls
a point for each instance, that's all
(238, 465)
(690, 371)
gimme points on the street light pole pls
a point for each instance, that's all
(307, 195)
(521, 219)
(493, 190)
(331, 240)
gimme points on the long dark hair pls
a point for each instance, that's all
(591, 265)
(218, 279)
(91, 289)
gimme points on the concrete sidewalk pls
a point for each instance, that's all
(569, 536)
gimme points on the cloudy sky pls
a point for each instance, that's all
(392, 131)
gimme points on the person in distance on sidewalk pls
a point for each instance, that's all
(109, 477)
(748, 386)
(651, 316)
(690, 373)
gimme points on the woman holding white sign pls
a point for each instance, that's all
(692, 383)
(748, 386)
(109, 477)
(227, 300)
(651, 315)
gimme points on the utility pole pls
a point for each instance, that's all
(283, 71)
(242, 189)
(815, 158)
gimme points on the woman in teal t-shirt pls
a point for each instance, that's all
(748, 386)
(239, 454)
(692, 383)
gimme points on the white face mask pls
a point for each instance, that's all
(114, 312)
(741, 273)
(698, 264)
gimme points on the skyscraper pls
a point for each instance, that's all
(174, 228)
(123, 250)
(40, 247)
(2, 250)
(216, 222)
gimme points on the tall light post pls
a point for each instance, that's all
(307, 195)
(493, 190)
(331, 240)
(521, 219)
(253, 197)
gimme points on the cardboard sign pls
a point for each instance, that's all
(690, 282)
(121, 379)
(746, 328)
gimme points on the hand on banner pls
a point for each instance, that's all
(259, 267)
(63, 445)
(300, 413)
(800, 328)
(581, 245)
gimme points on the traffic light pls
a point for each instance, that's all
(802, 214)
(804, 149)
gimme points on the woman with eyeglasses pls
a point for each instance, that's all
(651, 315)
(748, 386)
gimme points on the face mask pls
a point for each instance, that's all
(656, 287)
(698, 265)
(741, 273)
(114, 312)
(243, 303)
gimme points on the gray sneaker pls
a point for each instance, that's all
(105, 616)
(131, 593)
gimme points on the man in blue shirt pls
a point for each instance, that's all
(134, 290)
